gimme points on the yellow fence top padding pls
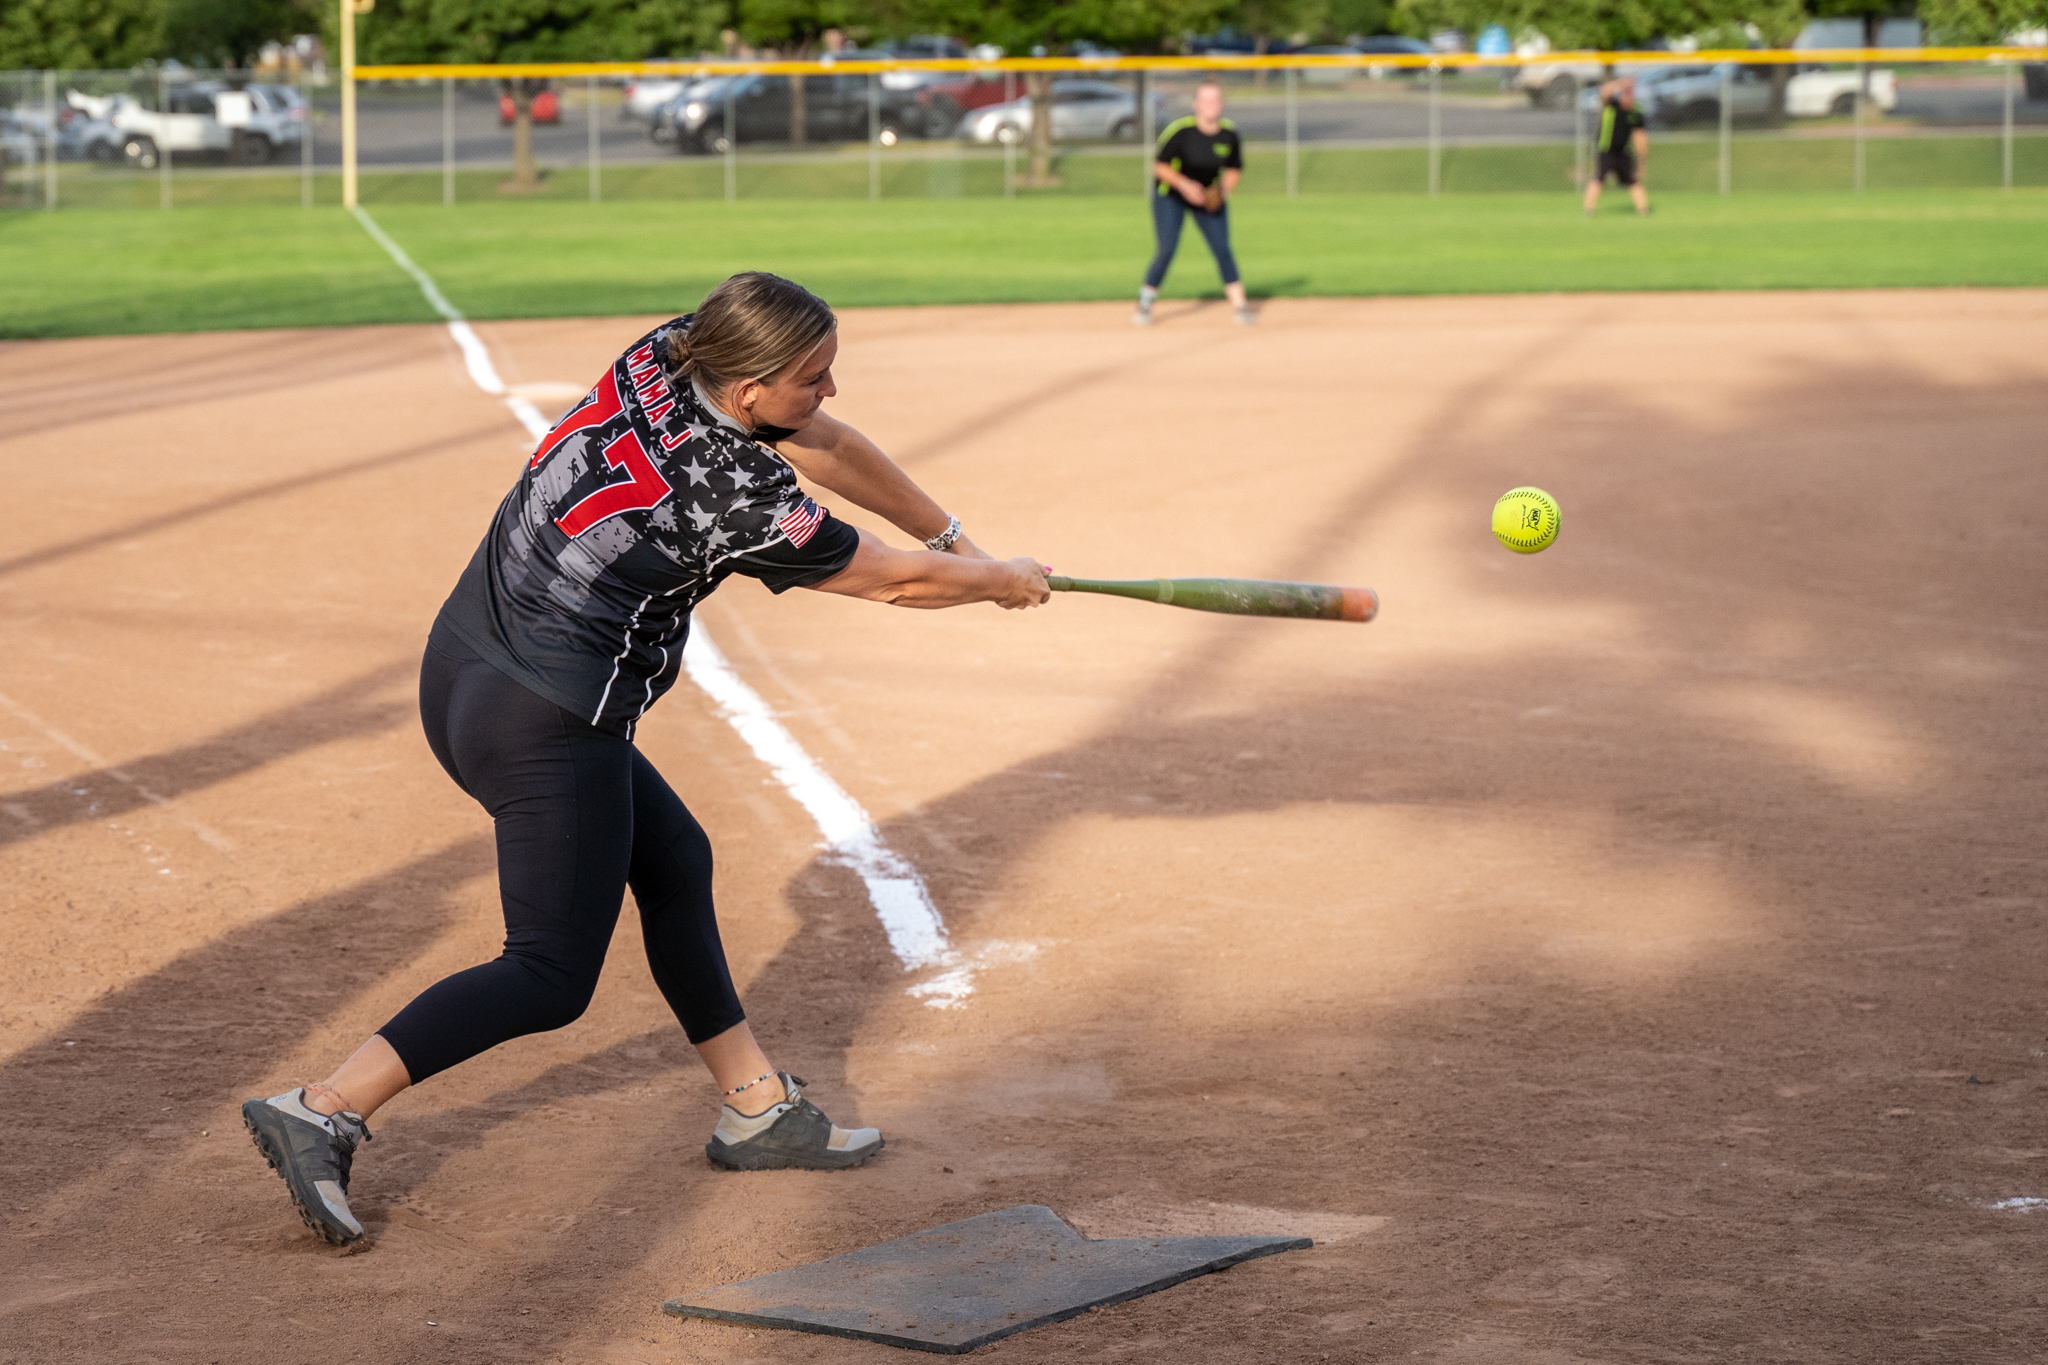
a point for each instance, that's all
(1208, 62)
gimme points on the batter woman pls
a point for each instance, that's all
(1198, 164)
(678, 470)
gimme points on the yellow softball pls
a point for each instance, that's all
(1525, 520)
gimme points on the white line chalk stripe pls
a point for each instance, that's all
(917, 935)
(206, 834)
(476, 357)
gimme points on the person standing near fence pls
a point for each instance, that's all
(1623, 145)
(1197, 166)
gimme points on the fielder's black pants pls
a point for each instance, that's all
(581, 816)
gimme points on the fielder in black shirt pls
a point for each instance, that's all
(1197, 165)
(1622, 145)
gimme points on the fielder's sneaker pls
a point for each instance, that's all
(1246, 317)
(312, 1152)
(794, 1134)
(1143, 317)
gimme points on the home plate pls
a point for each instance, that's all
(952, 1288)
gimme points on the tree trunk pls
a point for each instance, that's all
(1781, 75)
(1259, 46)
(1872, 24)
(797, 116)
(1038, 85)
(525, 177)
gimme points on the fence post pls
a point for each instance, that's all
(2006, 149)
(348, 103)
(1727, 125)
(1010, 144)
(447, 142)
(305, 144)
(50, 136)
(1148, 134)
(1293, 140)
(596, 170)
(163, 153)
(1862, 86)
(732, 149)
(874, 136)
(1578, 132)
(1436, 144)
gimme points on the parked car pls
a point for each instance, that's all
(545, 108)
(1380, 45)
(21, 142)
(1816, 91)
(835, 110)
(1394, 45)
(246, 126)
(1229, 38)
(946, 102)
(646, 96)
(1553, 85)
(1673, 95)
(661, 125)
(1080, 109)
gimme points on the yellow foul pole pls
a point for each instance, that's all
(348, 101)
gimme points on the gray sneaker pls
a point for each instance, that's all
(1143, 317)
(791, 1135)
(1246, 317)
(313, 1153)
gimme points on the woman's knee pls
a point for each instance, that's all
(558, 988)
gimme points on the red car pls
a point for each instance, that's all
(945, 102)
(547, 108)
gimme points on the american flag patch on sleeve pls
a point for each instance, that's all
(802, 522)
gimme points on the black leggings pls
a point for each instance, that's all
(581, 816)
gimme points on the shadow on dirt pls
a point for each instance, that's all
(344, 711)
(215, 1020)
(276, 488)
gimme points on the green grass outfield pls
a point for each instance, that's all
(87, 271)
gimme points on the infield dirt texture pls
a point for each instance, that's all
(1630, 953)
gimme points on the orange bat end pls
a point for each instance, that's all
(1360, 604)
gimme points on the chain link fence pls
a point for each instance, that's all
(148, 139)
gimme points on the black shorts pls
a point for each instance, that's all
(1620, 165)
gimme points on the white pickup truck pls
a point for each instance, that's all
(247, 126)
(1692, 93)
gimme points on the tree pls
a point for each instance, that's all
(1021, 26)
(1608, 25)
(80, 35)
(1968, 22)
(485, 31)
(225, 32)
(794, 29)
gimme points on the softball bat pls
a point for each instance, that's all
(1236, 596)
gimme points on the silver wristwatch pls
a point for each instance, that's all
(944, 539)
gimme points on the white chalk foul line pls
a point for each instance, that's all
(476, 357)
(207, 835)
(917, 934)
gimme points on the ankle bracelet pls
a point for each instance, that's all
(332, 1094)
(766, 1076)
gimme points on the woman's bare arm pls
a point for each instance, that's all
(921, 578)
(833, 455)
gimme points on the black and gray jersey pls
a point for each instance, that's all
(642, 500)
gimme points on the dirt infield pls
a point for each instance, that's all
(1630, 953)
